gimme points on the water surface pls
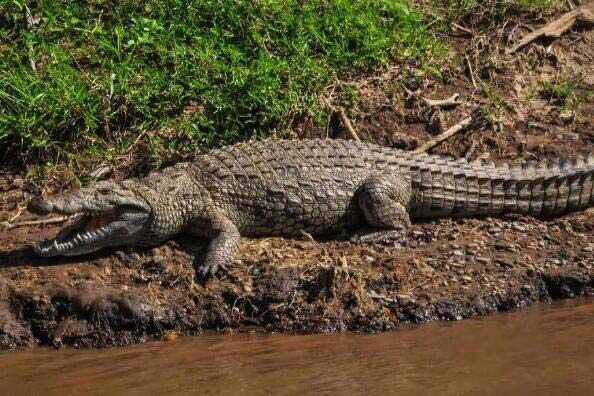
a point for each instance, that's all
(542, 350)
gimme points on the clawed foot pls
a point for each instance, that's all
(384, 237)
(205, 271)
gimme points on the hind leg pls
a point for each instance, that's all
(384, 201)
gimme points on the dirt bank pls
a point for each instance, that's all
(535, 103)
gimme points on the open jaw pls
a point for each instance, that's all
(92, 230)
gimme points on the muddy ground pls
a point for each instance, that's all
(532, 104)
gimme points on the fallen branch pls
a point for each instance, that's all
(583, 14)
(462, 125)
(53, 220)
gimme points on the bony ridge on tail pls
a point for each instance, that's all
(285, 187)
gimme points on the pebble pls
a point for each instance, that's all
(567, 116)
(404, 298)
(574, 137)
(483, 260)
(519, 227)
(504, 262)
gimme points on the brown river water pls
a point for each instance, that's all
(541, 350)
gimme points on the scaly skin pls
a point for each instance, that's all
(314, 186)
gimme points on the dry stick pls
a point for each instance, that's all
(344, 118)
(584, 14)
(348, 125)
(452, 101)
(135, 142)
(462, 125)
(53, 220)
(462, 28)
(471, 72)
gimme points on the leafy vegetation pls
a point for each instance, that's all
(88, 78)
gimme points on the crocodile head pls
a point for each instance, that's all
(106, 214)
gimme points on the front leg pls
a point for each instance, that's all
(224, 242)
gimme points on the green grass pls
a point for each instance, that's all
(564, 92)
(205, 73)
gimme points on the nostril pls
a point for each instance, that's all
(39, 206)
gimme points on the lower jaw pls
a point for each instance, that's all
(73, 245)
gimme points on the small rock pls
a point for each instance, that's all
(567, 116)
(483, 260)
(504, 263)
(370, 259)
(571, 136)
(158, 259)
(404, 298)
(494, 230)
(169, 335)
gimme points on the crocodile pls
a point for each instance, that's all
(316, 187)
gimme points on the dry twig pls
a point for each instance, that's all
(129, 149)
(462, 28)
(471, 72)
(462, 125)
(446, 103)
(347, 124)
(583, 14)
(344, 119)
(53, 220)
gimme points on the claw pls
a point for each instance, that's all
(382, 237)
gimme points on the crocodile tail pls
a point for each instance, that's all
(540, 189)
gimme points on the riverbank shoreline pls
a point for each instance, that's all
(450, 270)
(535, 103)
